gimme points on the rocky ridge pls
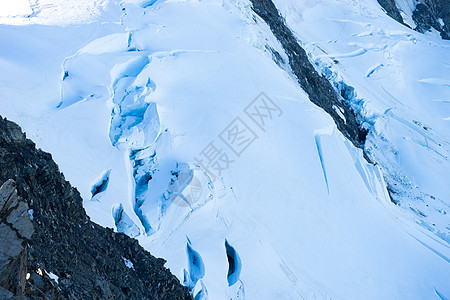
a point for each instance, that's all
(320, 91)
(15, 229)
(427, 15)
(391, 9)
(433, 14)
(68, 256)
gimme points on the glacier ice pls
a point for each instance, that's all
(144, 88)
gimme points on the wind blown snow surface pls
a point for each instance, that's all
(181, 124)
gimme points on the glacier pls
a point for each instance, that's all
(183, 125)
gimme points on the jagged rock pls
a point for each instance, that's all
(15, 230)
(433, 14)
(87, 258)
(427, 14)
(391, 9)
(318, 88)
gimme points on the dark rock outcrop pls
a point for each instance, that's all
(433, 14)
(89, 261)
(318, 88)
(15, 232)
(391, 9)
(427, 14)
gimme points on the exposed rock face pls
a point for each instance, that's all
(90, 262)
(15, 231)
(427, 14)
(391, 9)
(433, 14)
(318, 88)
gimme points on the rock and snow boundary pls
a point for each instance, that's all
(298, 212)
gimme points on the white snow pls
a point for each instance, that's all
(151, 100)
(128, 263)
(406, 8)
(14, 8)
(436, 81)
(30, 212)
(53, 276)
(50, 12)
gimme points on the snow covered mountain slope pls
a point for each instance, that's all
(186, 128)
(405, 102)
(52, 12)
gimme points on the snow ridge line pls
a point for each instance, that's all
(343, 101)
(320, 91)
